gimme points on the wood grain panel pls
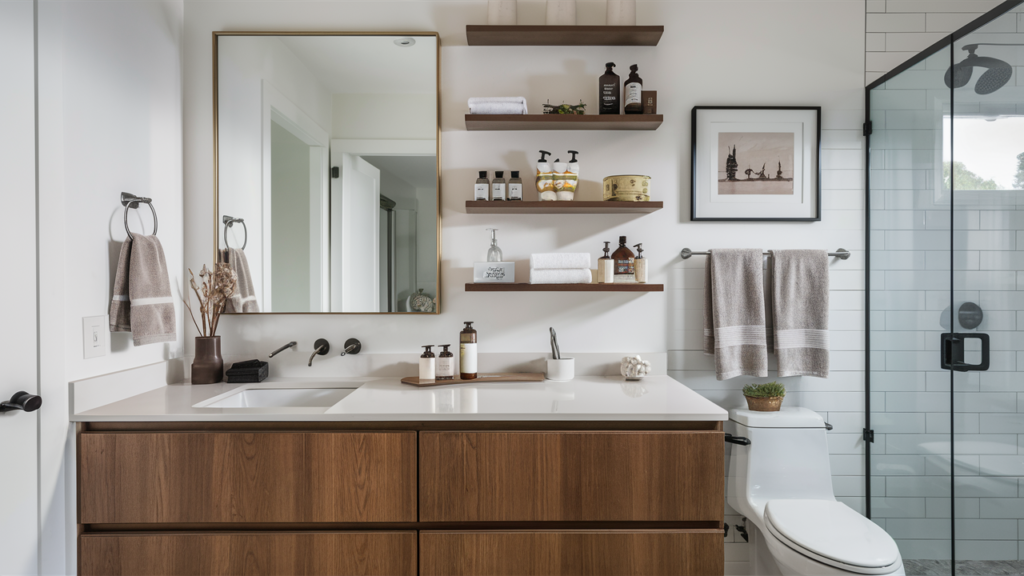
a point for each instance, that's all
(571, 476)
(247, 477)
(269, 554)
(576, 553)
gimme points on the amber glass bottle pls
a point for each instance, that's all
(623, 257)
(633, 97)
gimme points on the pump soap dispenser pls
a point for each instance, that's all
(570, 177)
(545, 178)
(495, 269)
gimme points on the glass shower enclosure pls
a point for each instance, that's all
(945, 337)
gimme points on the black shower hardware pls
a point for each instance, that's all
(230, 221)
(321, 347)
(132, 201)
(283, 348)
(22, 401)
(996, 75)
(970, 315)
(952, 349)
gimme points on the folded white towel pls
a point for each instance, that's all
(565, 276)
(559, 261)
(498, 105)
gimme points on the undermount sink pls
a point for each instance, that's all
(280, 398)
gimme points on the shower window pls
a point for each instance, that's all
(945, 470)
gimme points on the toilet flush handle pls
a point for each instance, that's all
(737, 440)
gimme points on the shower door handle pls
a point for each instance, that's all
(953, 351)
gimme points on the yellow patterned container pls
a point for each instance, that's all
(627, 188)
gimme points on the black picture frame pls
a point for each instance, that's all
(695, 217)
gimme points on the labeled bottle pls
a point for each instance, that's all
(498, 186)
(494, 253)
(623, 257)
(634, 92)
(545, 177)
(605, 267)
(558, 176)
(572, 173)
(640, 264)
(445, 364)
(608, 91)
(467, 353)
(483, 188)
(515, 186)
(427, 364)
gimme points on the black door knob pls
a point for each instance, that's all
(22, 401)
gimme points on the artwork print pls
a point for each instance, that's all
(756, 163)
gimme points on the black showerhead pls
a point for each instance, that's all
(996, 76)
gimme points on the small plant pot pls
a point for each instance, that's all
(769, 404)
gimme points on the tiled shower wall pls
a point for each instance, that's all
(910, 230)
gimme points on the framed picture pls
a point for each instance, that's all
(756, 163)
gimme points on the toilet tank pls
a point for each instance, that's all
(787, 459)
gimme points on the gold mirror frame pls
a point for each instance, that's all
(437, 144)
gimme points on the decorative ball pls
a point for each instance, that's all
(634, 367)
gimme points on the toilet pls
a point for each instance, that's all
(782, 483)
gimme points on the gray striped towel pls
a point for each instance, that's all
(142, 303)
(800, 285)
(734, 313)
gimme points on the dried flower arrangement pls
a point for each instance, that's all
(217, 288)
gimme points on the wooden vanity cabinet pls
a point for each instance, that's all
(400, 499)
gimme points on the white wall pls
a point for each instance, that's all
(109, 120)
(712, 53)
(384, 116)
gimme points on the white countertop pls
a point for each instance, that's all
(388, 400)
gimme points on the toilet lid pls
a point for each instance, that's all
(833, 533)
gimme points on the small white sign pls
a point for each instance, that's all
(95, 337)
(494, 272)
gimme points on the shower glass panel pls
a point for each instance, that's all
(946, 302)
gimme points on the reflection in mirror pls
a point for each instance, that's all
(327, 184)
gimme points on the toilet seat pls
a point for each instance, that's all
(832, 533)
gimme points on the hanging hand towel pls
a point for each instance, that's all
(559, 261)
(142, 301)
(800, 311)
(580, 276)
(734, 314)
(244, 298)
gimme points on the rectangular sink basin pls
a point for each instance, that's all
(282, 398)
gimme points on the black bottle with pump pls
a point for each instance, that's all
(608, 91)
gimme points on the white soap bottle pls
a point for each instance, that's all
(427, 367)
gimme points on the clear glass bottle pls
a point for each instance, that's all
(623, 257)
(445, 363)
(498, 186)
(494, 253)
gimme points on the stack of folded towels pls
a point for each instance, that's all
(560, 269)
(498, 105)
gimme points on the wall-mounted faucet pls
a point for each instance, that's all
(283, 348)
(321, 347)
(352, 346)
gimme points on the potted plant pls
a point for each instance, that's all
(217, 287)
(766, 397)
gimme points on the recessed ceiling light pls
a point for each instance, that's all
(404, 42)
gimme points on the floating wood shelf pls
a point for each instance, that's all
(563, 121)
(573, 207)
(522, 287)
(477, 35)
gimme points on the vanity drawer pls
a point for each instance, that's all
(573, 553)
(129, 477)
(269, 554)
(572, 476)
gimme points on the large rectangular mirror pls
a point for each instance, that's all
(326, 158)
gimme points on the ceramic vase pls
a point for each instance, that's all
(208, 365)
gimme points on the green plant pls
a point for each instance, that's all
(765, 390)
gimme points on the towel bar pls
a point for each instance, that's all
(229, 221)
(133, 201)
(841, 253)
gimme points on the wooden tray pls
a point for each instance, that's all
(503, 377)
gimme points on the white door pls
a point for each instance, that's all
(355, 235)
(19, 437)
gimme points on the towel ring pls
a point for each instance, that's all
(229, 221)
(133, 201)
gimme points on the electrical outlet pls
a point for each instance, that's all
(95, 337)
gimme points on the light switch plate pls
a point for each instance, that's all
(95, 337)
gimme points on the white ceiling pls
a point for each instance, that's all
(368, 64)
(418, 171)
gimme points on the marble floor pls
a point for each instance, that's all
(964, 567)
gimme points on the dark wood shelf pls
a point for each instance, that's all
(563, 121)
(572, 207)
(522, 287)
(477, 35)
